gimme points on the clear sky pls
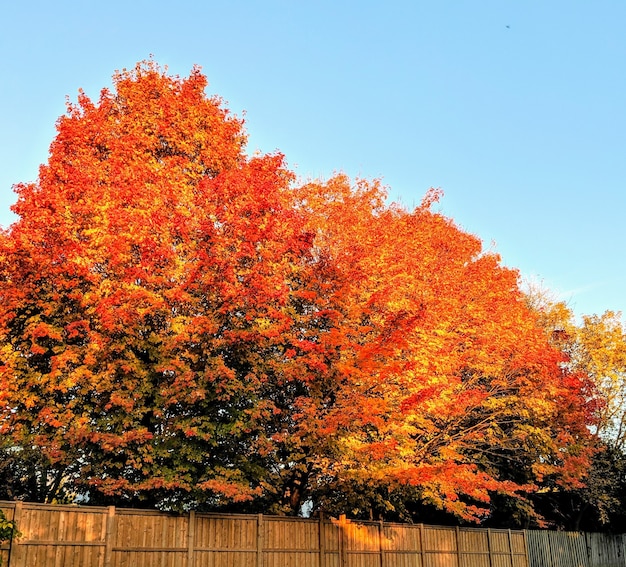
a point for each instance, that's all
(516, 109)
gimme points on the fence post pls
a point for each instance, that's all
(422, 541)
(457, 537)
(322, 541)
(343, 560)
(259, 540)
(14, 549)
(191, 539)
(381, 535)
(108, 538)
(14, 542)
(489, 547)
(526, 548)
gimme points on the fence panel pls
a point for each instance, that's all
(519, 549)
(402, 545)
(144, 539)
(575, 549)
(473, 548)
(58, 536)
(604, 549)
(539, 551)
(330, 544)
(362, 544)
(225, 541)
(289, 541)
(440, 547)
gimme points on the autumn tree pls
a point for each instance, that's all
(450, 390)
(182, 325)
(594, 347)
(142, 289)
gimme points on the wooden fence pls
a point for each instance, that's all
(575, 549)
(83, 536)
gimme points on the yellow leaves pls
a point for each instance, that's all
(600, 353)
(456, 351)
(224, 331)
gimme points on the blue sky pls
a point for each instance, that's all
(516, 109)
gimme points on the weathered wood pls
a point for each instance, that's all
(560, 549)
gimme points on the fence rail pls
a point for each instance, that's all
(84, 536)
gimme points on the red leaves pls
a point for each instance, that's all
(213, 334)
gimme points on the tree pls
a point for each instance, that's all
(141, 288)
(453, 392)
(595, 348)
(183, 326)
(601, 352)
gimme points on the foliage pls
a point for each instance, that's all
(601, 353)
(453, 392)
(8, 530)
(596, 348)
(183, 326)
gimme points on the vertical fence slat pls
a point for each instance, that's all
(343, 555)
(381, 534)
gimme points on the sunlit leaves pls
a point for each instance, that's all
(183, 324)
(450, 385)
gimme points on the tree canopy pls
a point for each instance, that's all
(183, 325)
(596, 349)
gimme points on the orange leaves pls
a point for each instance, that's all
(438, 329)
(230, 490)
(181, 323)
(117, 258)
